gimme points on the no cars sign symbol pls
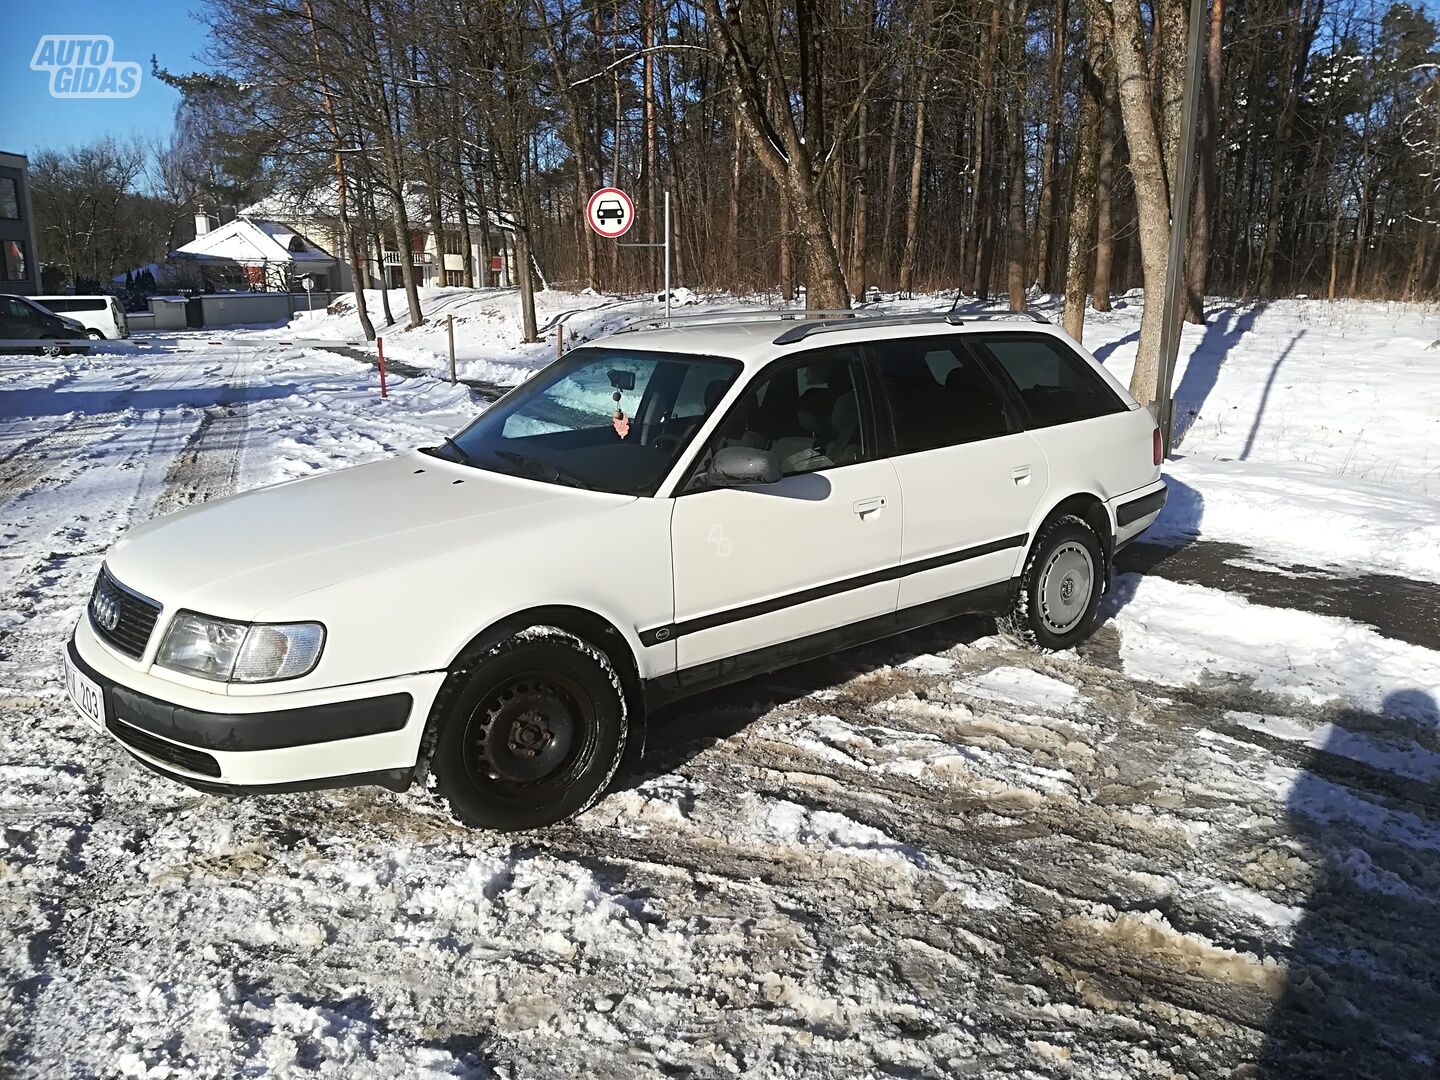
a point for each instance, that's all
(610, 213)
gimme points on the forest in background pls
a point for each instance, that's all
(992, 147)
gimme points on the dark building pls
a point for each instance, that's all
(19, 261)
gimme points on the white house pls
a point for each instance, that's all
(252, 252)
(436, 259)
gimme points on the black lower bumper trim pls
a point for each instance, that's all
(189, 759)
(279, 730)
(1135, 509)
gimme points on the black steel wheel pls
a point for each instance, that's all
(534, 736)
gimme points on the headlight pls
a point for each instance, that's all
(240, 652)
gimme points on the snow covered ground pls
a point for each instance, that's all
(1208, 840)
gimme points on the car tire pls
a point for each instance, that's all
(1060, 588)
(534, 735)
(95, 335)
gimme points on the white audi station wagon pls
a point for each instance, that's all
(660, 512)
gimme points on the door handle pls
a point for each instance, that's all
(1020, 474)
(870, 505)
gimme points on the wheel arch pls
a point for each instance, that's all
(591, 627)
(1088, 507)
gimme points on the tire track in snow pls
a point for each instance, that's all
(208, 467)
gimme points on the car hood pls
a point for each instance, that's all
(236, 556)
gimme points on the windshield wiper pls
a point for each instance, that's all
(461, 454)
(465, 458)
(544, 470)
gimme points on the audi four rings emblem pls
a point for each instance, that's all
(106, 610)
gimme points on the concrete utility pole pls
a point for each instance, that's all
(1181, 187)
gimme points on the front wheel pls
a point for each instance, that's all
(1060, 587)
(534, 736)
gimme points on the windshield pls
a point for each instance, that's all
(602, 418)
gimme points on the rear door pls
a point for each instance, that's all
(971, 478)
(817, 551)
(1092, 438)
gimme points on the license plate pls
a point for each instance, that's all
(85, 695)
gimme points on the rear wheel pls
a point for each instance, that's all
(1060, 587)
(534, 736)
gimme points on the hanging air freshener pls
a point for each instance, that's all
(621, 422)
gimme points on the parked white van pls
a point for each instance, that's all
(102, 316)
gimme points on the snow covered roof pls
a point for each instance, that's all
(320, 201)
(256, 241)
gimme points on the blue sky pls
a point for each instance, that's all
(32, 120)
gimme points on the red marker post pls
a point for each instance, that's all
(380, 351)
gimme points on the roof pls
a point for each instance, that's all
(322, 201)
(751, 339)
(256, 241)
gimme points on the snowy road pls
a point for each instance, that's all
(1209, 840)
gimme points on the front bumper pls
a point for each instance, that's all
(366, 734)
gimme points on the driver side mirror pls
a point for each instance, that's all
(739, 466)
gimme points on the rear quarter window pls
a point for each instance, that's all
(1054, 383)
(66, 304)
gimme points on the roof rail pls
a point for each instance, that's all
(990, 316)
(819, 321)
(737, 315)
(954, 318)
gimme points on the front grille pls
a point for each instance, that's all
(134, 615)
(194, 761)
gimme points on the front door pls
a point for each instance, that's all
(762, 565)
(971, 477)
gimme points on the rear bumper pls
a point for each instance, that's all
(1136, 511)
(367, 734)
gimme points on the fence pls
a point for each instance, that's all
(211, 310)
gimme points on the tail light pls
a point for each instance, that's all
(1155, 440)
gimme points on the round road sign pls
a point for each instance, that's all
(610, 213)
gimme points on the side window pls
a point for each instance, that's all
(1056, 386)
(807, 413)
(700, 391)
(939, 395)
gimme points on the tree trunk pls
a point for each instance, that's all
(467, 241)
(788, 153)
(1104, 194)
(860, 238)
(650, 185)
(1152, 203)
(526, 278)
(1015, 239)
(1197, 269)
(912, 210)
(892, 166)
(733, 224)
(1079, 261)
(478, 175)
(342, 182)
(1050, 156)
(977, 240)
(787, 262)
(1298, 36)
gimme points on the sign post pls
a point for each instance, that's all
(610, 213)
(308, 283)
